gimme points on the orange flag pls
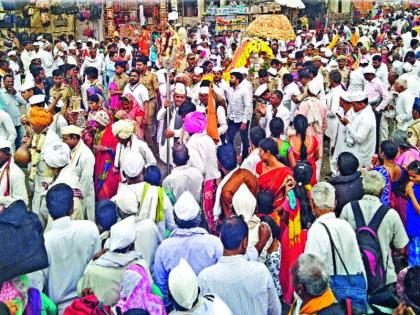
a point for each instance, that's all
(212, 118)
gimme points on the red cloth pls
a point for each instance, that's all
(106, 178)
(311, 159)
(273, 181)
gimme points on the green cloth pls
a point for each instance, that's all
(160, 211)
(156, 291)
(284, 148)
(48, 306)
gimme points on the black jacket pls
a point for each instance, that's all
(348, 188)
(334, 309)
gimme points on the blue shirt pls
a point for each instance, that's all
(196, 246)
(413, 219)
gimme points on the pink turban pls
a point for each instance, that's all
(195, 122)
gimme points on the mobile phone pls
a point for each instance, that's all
(338, 115)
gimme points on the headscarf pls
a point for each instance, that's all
(102, 118)
(40, 117)
(123, 129)
(195, 122)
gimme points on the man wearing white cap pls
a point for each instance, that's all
(172, 132)
(123, 130)
(79, 240)
(104, 275)
(57, 156)
(12, 179)
(12, 102)
(244, 285)
(47, 60)
(83, 161)
(182, 33)
(361, 129)
(186, 297)
(188, 241)
(403, 105)
(194, 90)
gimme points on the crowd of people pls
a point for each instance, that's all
(291, 184)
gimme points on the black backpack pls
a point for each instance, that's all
(370, 249)
(22, 247)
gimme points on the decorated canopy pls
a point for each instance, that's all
(271, 26)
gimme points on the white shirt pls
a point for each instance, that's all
(70, 246)
(26, 57)
(413, 82)
(193, 93)
(382, 74)
(240, 103)
(289, 90)
(403, 109)
(47, 61)
(318, 244)
(202, 151)
(135, 145)
(361, 135)
(138, 91)
(222, 88)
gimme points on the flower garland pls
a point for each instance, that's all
(36, 147)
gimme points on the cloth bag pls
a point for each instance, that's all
(347, 288)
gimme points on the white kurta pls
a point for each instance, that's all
(333, 105)
(193, 92)
(282, 112)
(361, 134)
(357, 80)
(7, 128)
(58, 122)
(83, 161)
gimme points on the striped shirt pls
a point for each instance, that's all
(246, 286)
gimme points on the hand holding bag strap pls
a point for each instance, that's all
(333, 251)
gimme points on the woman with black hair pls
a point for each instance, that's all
(298, 215)
(272, 174)
(304, 146)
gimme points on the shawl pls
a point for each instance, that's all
(316, 304)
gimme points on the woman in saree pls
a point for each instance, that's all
(106, 178)
(304, 145)
(95, 105)
(272, 174)
(130, 109)
(297, 217)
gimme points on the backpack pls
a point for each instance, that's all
(22, 250)
(87, 305)
(370, 249)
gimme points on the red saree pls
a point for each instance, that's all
(106, 178)
(273, 181)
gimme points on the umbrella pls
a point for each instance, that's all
(276, 26)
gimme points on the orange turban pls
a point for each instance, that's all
(40, 117)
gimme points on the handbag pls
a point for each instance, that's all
(384, 296)
(347, 287)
